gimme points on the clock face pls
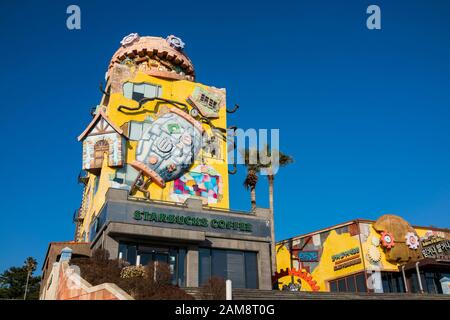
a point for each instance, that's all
(388, 239)
(412, 240)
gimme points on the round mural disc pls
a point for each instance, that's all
(374, 254)
(375, 241)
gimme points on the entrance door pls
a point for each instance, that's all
(151, 254)
(100, 148)
(175, 257)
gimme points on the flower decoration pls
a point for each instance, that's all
(387, 240)
(412, 241)
(129, 39)
(175, 42)
(374, 254)
(375, 241)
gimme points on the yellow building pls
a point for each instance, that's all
(386, 255)
(155, 172)
(154, 119)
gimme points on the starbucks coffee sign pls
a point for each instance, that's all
(188, 220)
(211, 221)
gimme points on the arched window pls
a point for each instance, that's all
(100, 148)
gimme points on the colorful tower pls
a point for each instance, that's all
(155, 173)
(157, 133)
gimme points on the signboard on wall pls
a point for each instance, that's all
(170, 217)
(308, 256)
(436, 247)
(346, 259)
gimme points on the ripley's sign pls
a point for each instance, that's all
(436, 247)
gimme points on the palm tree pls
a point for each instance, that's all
(250, 183)
(30, 267)
(252, 174)
(283, 160)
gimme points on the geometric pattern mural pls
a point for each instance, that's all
(202, 181)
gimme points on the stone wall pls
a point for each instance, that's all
(69, 285)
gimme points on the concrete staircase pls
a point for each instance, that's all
(254, 294)
(251, 294)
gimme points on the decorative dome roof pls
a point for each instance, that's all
(160, 57)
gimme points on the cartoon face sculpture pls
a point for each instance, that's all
(394, 231)
(170, 144)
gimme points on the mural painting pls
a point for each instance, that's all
(163, 135)
(202, 181)
(357, 254)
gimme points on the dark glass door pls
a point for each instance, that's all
(152, 254)
(173, 256)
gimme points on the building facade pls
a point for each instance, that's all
(155, 172)
(387, 255)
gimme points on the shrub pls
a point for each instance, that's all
(151, 282)
(132, 272)
(214, 289)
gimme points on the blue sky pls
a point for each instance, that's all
(364, 113)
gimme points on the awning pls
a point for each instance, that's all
(426, 262)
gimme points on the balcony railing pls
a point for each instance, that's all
(78, 215)
(83, 177)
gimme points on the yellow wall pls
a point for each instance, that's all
(177, 90)
(383, 264)
(336, 243)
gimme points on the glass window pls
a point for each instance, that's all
(204, 265)
(93, 229)
(341, 285)
(131, 254)
(353, 283)
(238, 266)
(175, 257)
(181, 267)
(145, 258)
(333, 286)
(360, 282)
(235, 268)
(128, 90)
(251, 266)
(138, 91)
(385, 282)
(431, 279)
(399, 285)
(123, 251)
(219, 264)
(151, 91)
(351, 286)
(139, 88)
(414, 283)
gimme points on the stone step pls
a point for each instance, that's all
(248, 294)
(255, 294)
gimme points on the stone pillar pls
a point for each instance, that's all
(66, 254)
(192, 268)
(264, 268)
(110, 244)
